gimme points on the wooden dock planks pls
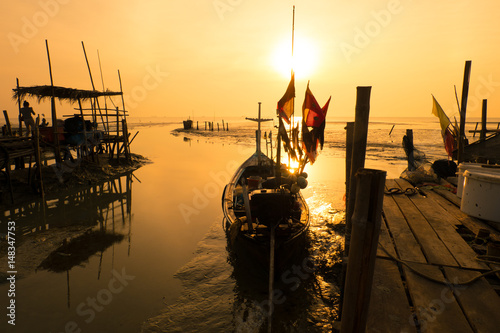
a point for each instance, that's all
(434, 250)
(389, 309)
(421, 231)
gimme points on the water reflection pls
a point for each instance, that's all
(306, 295)
(83, 220)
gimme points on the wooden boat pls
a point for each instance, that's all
(482, 150)
(264, 209)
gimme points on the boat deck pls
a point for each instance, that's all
(422, 230)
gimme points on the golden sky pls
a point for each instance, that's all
(220, 57)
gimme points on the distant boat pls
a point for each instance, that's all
(261, 210)
(188, 124)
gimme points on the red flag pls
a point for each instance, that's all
(312, 113)
(314, 116)
(285, 104)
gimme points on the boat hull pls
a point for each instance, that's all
(252, 248)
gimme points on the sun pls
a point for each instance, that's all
(303, 62)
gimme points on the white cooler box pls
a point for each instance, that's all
(481, 195)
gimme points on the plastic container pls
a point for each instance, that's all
(462, 167)
(481, 195)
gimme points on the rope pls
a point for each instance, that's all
(394, 190)
(433, 279)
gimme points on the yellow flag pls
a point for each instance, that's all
(437, 110)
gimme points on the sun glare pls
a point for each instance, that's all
(304, 59)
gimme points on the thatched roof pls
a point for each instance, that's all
(69, 94)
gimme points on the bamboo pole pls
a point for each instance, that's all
(57, 151)
(463, 110)
(117, 134)
(125, 139)
(93, 86)
(38, 159)
(366, 223)
(84, 128)
(19, 106)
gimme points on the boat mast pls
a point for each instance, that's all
(278, 153)
(257, 133)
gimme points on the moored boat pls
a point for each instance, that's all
(263, 207)
(254, 203)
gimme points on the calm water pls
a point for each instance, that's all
(157, 258)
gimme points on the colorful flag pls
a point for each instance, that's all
(285, 104)
(446, 132)
(312, 113)
(313, 116)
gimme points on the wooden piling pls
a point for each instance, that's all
(360, 135)
(356, 153)
(348, 156)
(217, 127)
(366, 223)
(482, 135)
(463, 109)
(7, 122)
(409, 143)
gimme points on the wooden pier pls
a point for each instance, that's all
(424, 267)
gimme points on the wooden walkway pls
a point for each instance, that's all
(421, 230)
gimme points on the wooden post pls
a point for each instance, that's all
(7, 122)
(360, 136)
(217, 127)
(409, 142)
(366, 223)
(482, 136)
(357, 157)
(197, 125)
(348, 156)
(463, 110)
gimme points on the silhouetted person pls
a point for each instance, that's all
(44, 123)
(26, 112)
